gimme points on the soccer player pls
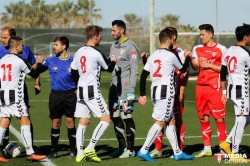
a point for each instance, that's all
(87, 62)
(161, 67)
(122, 85)
(26, 54)
(181, 80)
(236, 61)
(12, 73)
(62, 99)
(206, 59)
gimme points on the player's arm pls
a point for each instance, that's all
(205, 65)
(183, 85)
(134, 67)
(144, 57)
(143, 80)
(223, 77)
(75, 74)
(194, 60)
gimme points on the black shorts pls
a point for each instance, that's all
(62, 103)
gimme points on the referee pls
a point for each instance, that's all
(62, 99)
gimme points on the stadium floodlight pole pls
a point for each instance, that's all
(152, 27)
(217, 29)
(24, 13)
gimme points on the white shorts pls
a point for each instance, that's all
(241, 106)
(14, 110)
(163, 109)
(96, 106)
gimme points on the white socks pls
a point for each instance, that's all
(80, 139)
(152, 135)
(98, 132)
(27, 139)
(172, 138)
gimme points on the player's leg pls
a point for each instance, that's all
(56, 107)
(4, 124)
(83, 113)
(157, 152)
(218, 112)
(70, 122)
(27, 139)
(117, 121)
(70, 106)
(202, 94)
(151, 136)
(54, 136)
(130, 135)
(26, 101)
(99, 109)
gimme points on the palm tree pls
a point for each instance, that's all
(169, 20)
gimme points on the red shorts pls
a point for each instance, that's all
(208, 101)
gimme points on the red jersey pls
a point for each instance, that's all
(212, 55)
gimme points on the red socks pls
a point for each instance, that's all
(206, 132)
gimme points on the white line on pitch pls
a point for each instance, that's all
(114, 139)
(45, 162)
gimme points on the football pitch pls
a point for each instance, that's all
(107, 144)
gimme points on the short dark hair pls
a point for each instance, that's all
(12, 41)
(12, 31)
(174, 31)
(119, 23)
(207, 27)
(164, 35)
(242, 31)
(93, 30)
(63, 40)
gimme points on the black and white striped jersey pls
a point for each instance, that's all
(13, 70)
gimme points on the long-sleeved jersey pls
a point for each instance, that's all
(125, 73)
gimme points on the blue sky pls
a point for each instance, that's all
(231, 13)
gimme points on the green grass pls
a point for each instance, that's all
(142, 116)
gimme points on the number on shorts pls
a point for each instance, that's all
(7, 69)
(157, 72)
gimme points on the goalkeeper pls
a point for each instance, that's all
(122, 88)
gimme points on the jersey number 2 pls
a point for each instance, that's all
(7, 69)
(83, 64)
(157, 72)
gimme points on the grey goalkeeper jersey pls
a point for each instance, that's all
(125, 73)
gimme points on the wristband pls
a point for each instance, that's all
(224, 91)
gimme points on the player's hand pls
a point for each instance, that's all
(204, 65)
(143, 100)
(39, 59)
(114, 58)
(187, 53)
(224, 99)
(144, 54)
(37, 89)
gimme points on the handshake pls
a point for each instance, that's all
(127, 106)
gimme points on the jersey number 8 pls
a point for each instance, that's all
(83, 64)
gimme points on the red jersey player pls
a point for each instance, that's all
(206, 59)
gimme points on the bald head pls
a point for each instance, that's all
(6, 34)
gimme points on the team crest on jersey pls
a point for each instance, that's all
(122, 51)
(214, 54)
(55, 68)
(134, 54)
